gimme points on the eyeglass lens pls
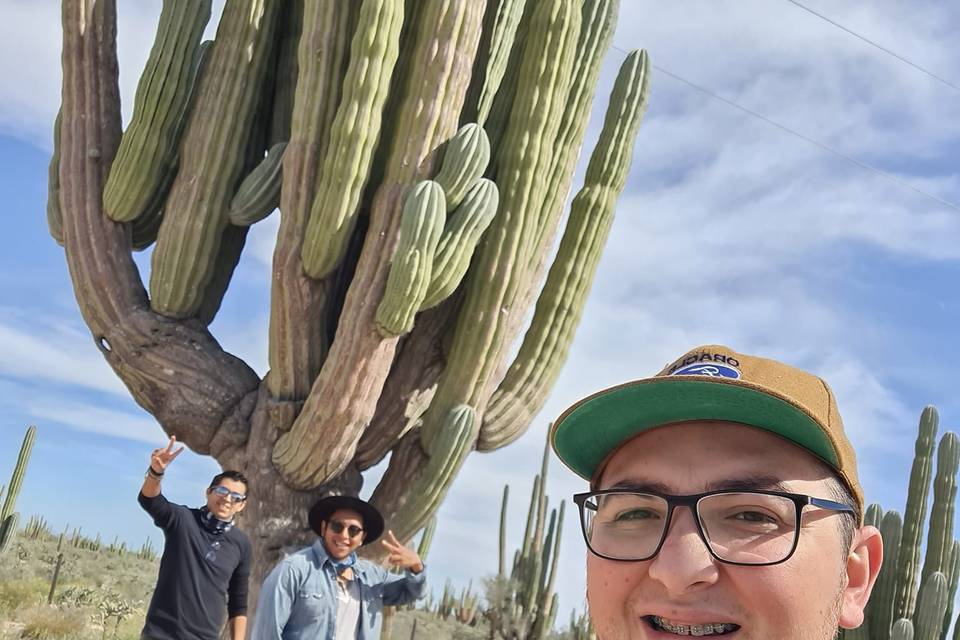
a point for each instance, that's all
(745, 528)
(353, 530)
(233, 495)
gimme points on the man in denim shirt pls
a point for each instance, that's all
(324, 592)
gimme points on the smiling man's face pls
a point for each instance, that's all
(822, 586)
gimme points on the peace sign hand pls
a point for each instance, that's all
(400, 555)
(160, 458)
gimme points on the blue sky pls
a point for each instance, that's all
(730, 231)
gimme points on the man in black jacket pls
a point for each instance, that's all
(206, 561)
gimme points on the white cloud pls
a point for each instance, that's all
(49, 349)
(92, 419)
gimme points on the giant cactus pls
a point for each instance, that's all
(366, 96)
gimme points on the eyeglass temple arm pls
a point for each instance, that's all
(830, 504)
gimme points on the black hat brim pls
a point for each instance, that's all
(325, 507)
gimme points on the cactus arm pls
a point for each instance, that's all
(8, 531)
(506, 94)
(527, 383)
(500, 30)
(287, 71)
(353, 137)
(426, 539)
(151, 141)
(259, 193)
(420, 230)
(503, 531)
(231, 246)
(360, 358)
(954, 579)
(599, 22)
(902, 630)
(480, 336)
(410, 511)
(219, 127)
(880, 607)
(940, 531)
(459, 240)
(19, 471)
(54, 213)
(297, 341)
(207, 385)
(914, 516)
(465, 158)
(931, 606)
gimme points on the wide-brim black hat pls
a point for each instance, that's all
(325, 507)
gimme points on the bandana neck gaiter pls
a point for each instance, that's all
(212, 524)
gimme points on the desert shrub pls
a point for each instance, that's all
(15, 594)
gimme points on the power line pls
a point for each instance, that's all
(820, 145)
(877, 45)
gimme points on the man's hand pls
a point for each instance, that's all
(160, 458)
(402, 556)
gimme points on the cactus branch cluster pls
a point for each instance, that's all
(910, 600)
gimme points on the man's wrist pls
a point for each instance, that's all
(153, 473)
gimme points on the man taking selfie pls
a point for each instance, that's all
(724, 500)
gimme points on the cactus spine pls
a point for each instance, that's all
(422, 224)
(8, 517)
(149, 145)
(354, 135)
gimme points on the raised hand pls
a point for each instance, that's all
(160, 458)
(400, 555)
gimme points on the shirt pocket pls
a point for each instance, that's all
(311, 606)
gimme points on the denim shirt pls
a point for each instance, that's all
(298, 600)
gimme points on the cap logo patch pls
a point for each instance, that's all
(715, 370)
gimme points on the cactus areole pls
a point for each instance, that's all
(390, 330)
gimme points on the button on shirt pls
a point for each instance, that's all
(300, 598)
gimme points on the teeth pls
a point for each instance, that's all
(711, 629)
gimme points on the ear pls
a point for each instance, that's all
(863, 565)
(243, 505)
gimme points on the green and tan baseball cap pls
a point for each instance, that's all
(712, 382)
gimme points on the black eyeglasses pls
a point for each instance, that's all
(232, 496)
(755, 528)
(352, 530)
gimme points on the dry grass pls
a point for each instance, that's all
(50, 623)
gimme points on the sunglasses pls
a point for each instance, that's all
(352, 530)
(232, 496)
